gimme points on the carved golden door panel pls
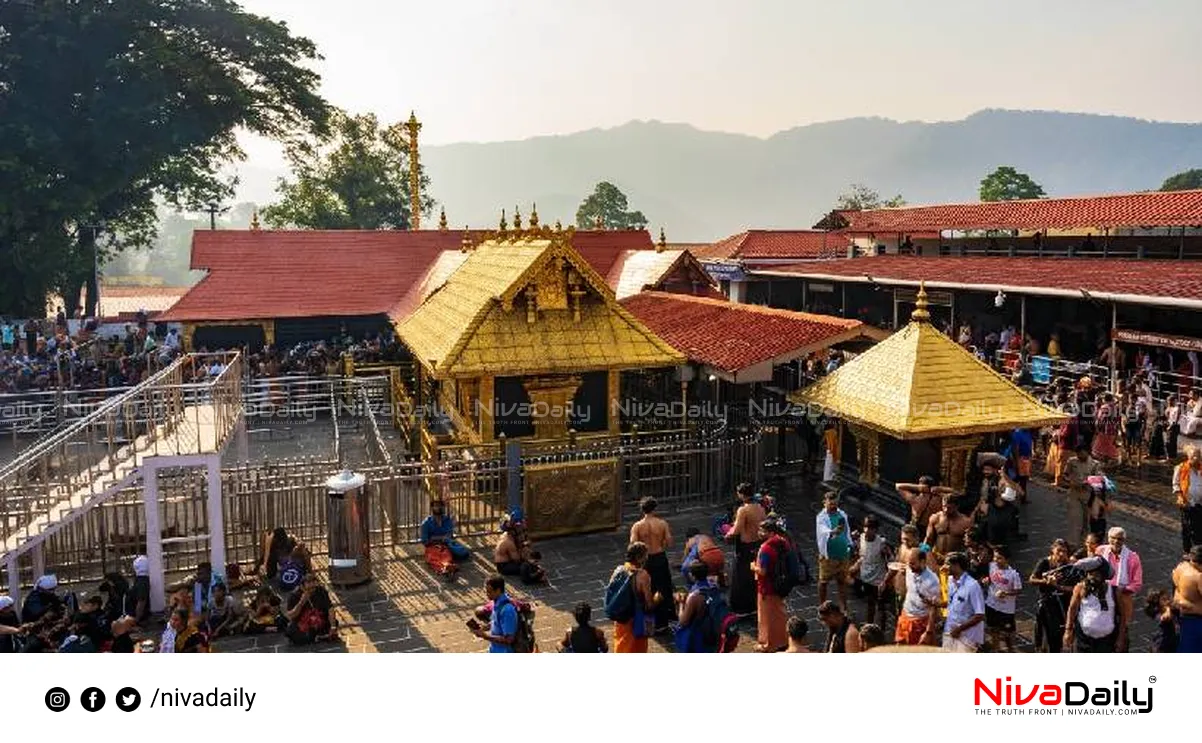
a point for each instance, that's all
(572, 498)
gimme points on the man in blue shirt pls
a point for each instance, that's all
(503, 626)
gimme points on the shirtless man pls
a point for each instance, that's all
(703, 548)
(513, 556)
(923, 497)
(744, 532)
(946, 529)
(897, 578)
(1187, 599)
(654, 532)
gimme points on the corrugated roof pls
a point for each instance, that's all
(919, 384)
(731, 337)
(476, 322)
(264, 274)
(637, 270)
(1150, 209)
(1149, 281)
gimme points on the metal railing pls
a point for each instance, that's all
(682, 470)
(161, 416)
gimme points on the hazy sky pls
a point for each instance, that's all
(486, 70)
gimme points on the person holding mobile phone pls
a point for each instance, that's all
(503, 624)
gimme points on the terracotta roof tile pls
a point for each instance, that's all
(313, 273)
(768, 244)
(731, 337)
(1151, 279)
(1151, 209)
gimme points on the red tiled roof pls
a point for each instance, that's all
(263, 274)
(767, 244)
(1151, 209)
(731, 337)
(1143, 281)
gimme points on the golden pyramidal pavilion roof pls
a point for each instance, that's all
(527, 303)
(919, 384)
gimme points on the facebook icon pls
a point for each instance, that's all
(92, 699)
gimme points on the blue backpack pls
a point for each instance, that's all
(619, 596)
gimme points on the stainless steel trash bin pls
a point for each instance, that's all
(350, 530)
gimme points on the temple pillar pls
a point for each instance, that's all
(868, 454)
(955, 463)
(613, 402)
(269, 332)
(551, 400)
(486, 408)
(189, 331)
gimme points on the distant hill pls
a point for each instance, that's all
(701, 186)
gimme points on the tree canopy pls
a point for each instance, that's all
(609, 204)
(1183, 181)
(1007, 184)
(858, 197)
(355, 178)
(107, 109)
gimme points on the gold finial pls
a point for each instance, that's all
(442, 219)
(466, 244)
(921, 313)
(534, 216)
(504, 226)
(517, 219)
(598, 223)
(663, 242)
(558, 226)
(254, 219)
(415, 174)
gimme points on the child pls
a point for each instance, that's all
(265, 614)
(1004, 584)
(1159, 606)
(584, 637)
(222, 617)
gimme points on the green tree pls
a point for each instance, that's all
(1185, 181)
(1007, 184)
(608, 203)
(859, 197)
(107, 109)
(355, 178)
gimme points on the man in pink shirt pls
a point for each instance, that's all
(1126, 571)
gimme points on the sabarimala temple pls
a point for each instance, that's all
(917, 403)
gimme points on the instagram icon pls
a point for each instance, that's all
(57, 699)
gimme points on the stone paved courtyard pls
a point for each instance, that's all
(407, 609)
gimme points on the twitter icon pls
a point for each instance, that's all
(128, 699)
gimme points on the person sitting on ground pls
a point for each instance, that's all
(112, 591)
(223, 616)
(10, 625)
(443, 551)
(42, 600)
(871, 636)
(842, 635)
(181, 635)
(584, 637)
(99, 628)
(797, 629)
(514, 556)
(702, 548)
(284, 559)
(123, 635)
(265, 616)
(310, 613)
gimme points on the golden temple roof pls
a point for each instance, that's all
(919, 384)
(528, 305)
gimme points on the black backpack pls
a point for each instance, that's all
(523, 641)
(786, 571)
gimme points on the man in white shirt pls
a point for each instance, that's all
(964, 630)
(920, 611)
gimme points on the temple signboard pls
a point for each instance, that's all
(1162, 340)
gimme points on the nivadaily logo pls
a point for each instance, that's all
(1070, 697)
